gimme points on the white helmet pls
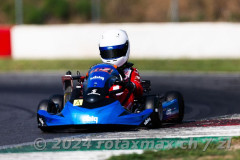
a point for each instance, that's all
(114, 47)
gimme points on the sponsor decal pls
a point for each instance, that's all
(97, 77)
(119, 94)
(89, 119)
(94, 91)
(169, 112)
(108, 70)
(41, 121)
(147, 121)
(78, 102)
(116, 87)
(137, 78)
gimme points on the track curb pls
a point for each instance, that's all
(77, 144)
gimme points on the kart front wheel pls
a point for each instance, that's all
(50, 107)
(47, 105)
(176, 95)
(57, 99)
(153, 102)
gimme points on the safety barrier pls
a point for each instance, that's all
(147, 40)
(5, 42)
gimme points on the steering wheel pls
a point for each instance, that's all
(124, 86)
(120, 83)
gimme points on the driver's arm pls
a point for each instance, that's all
(136, 80)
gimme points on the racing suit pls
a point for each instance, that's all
(132, 77)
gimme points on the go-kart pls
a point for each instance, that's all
(88, 103)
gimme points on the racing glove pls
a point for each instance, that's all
(130, 86)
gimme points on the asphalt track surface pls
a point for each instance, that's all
(206, 95)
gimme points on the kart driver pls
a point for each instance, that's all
(114, 49)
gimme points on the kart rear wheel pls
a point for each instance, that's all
(176, 95)
(153, 102)
(58, 101)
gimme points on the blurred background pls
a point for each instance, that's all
(42, 39)
(185, 31)
(111, 11)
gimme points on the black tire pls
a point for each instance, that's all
(58, 99)
(47, 105)
(50, 107)
(176, 95)
(153, 102)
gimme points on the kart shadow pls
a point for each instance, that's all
(110, 128)
(89, 128)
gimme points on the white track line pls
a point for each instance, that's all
(183, 132)
(73, 155)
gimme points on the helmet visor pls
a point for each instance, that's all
(112, 52)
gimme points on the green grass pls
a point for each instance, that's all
(189, 154)
(211, 152)
(173, 154)
(45, 65)
(228, 65)
(170, 154)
